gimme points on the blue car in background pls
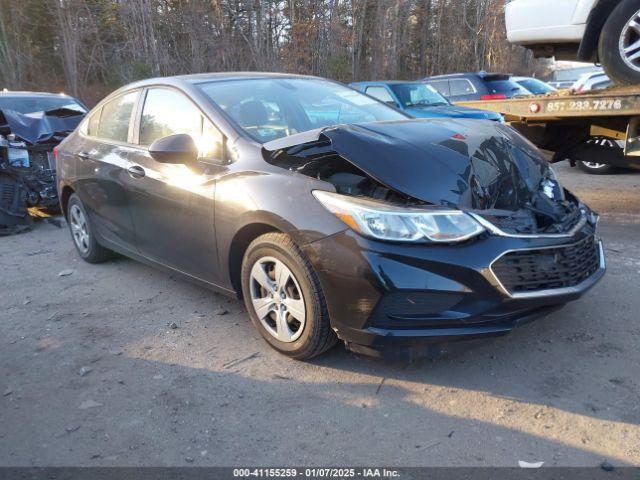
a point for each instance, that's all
(420, 100)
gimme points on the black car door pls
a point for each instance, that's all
(172, 204)
(101, 169)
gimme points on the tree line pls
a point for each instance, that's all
(89, 47)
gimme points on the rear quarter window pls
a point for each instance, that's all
(93, 123)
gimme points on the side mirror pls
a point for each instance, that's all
(179, 148)
(392, 103)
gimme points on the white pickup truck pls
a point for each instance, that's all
(599, 31)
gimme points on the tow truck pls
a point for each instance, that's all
(597, 130)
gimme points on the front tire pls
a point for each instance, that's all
(619, 45)
(284, 298)
(82, 234)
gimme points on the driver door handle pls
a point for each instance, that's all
(136, 171)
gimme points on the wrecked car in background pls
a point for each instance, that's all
(334, 216)
(31, 125)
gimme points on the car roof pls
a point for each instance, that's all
(481, 74)
(388, 82)
(213, 77)
(184, 82)
(187, 84)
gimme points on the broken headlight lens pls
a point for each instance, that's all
(383, 221)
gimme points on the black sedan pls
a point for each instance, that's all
(332, 214)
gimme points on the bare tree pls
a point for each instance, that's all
(92, 46)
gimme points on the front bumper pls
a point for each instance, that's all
(410, 300)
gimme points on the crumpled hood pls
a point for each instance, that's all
(456, 163)
(451, 111)
(39, 127)
(483, 167)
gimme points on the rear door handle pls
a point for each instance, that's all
(84, 156)
(136, 171)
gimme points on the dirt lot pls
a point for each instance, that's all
(92, 374)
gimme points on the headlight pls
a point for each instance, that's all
(383, 221)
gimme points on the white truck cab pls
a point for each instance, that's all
(599, 31)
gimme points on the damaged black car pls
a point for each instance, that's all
(31, 125)
(334, 216)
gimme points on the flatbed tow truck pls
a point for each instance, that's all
(597, 130)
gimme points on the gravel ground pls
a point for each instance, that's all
(91, 372)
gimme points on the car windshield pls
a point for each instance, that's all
(418, 94)
(32, 104)
(536, 86)
(270, 108)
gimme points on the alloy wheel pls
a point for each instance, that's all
(629, 44)
(595, 165)
(79, 228)
(604, 143)
(277, 299)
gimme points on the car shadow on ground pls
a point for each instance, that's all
(132, 411)
(210, 390)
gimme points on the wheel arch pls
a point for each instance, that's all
(239, 244)
(246, 229)
(65, 194)
(588, 50)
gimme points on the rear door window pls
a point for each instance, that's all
(441, 86)
(461, 86)
(116, 117)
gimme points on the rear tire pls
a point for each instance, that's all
(284, 298)
(82, 233)
(616, 36)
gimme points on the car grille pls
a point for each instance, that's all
(548, 268)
